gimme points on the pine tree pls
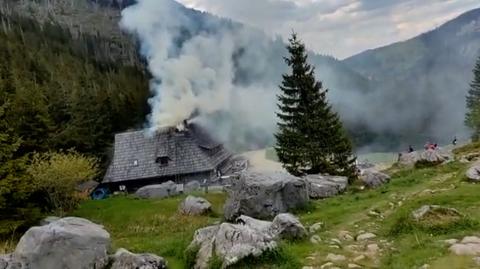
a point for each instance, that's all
(472, 118)
(311, 138)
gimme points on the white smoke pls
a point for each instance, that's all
(194, 69)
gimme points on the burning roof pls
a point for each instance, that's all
(168, 152)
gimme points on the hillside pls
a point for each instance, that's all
(426, 77)
(152, 226)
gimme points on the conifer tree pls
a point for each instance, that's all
(472, 118)
(311, 138)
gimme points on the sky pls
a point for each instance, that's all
(339, 28)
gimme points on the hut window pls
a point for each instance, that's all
(162, 161)
(135, 162)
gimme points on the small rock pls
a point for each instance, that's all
(451, 241)
(159, 191)
(366, 236)
(476, 260)
(315, 239)
(327, 265)
(287, 226)
(374, 179)
(316, 227)
(435, 211)
(195, 206)
(124, 259)
(353, 248)
(335, 241)
(359, 258)
(335, 258)
(471, 240)
(473, 173)
(308, 267)
(465, 249)
(345, 235)
(353, 266)
(425, 266)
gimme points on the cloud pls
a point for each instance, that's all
(339, 27)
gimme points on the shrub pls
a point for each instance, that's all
(56, 175)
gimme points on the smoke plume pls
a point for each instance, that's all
(196, 67)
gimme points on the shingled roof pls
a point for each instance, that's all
(137, 154)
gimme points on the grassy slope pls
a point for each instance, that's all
(154, 226)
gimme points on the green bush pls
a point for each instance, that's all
(56, 175)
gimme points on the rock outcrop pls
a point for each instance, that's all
(248, 237)
(159, 191)
(69, 243)
(264, 195)
(123, 259)
(195, 206)
(320, 187)
(437, 156)
(473, 173)
(373, 179)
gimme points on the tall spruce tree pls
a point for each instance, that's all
(311, 138)
(472, 118)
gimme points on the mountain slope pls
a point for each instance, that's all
(425, 79)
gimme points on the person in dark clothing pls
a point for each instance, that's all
(410, 149)
(455, 141)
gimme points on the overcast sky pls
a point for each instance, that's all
(340, 27)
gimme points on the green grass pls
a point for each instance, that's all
(154, 226)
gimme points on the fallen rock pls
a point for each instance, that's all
(335, 258)
(366, 236)
(123, 259)
(327, 265)
(287, 226)
(473, 173)
(264, 195)
(69, 243)
(316, 227)
(320, 187)
(159, 191)
(192, 186)
(374, 179)
(195, 206)
(230, 243)
(434, 212)
(354, 266)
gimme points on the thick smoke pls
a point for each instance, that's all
(197, 66)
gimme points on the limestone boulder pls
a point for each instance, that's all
(123, 259)
(195, 206)
(434, 212)
(373, 178)
(230, 243)
(69, 243)
(192, 186)
(473, 173)
(264, 195)
(159, 191)
(320, 187)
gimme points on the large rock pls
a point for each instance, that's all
(473, 173)
(437, 156)
(8, 262)
(160, 191)
(192, 186)
(264, 195)
(230, 243)
(123, 259)
(195, 206)
(320, 187)
(374, 179)
(69, 243)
